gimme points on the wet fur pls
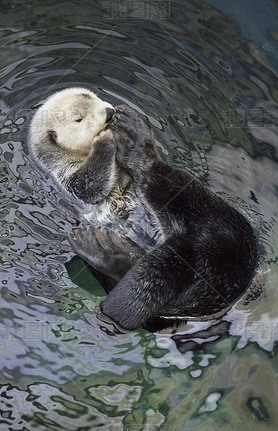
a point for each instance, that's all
(160, 242)
(205, 253)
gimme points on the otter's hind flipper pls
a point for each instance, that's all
(180, 278)
(153, 282)
(106, 251)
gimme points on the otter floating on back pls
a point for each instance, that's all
(161, 243)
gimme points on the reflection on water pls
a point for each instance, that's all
(211, 95)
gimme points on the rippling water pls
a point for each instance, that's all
(208, 83)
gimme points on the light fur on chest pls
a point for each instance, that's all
(127, 213)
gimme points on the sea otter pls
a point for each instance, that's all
(162, 244)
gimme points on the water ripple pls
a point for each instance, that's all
(210, 95)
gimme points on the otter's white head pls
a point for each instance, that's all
(72, 118)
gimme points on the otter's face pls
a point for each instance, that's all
(73, 118)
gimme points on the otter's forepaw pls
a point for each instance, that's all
(104, 147)
(136, 149)
(105, 134)
(131, 122)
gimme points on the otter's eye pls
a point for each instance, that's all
(79, 120)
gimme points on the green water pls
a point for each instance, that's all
(207, 80)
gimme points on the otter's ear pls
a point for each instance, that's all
(53, 135)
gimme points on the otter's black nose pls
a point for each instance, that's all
(109, 114)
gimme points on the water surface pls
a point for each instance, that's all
(207, 80)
